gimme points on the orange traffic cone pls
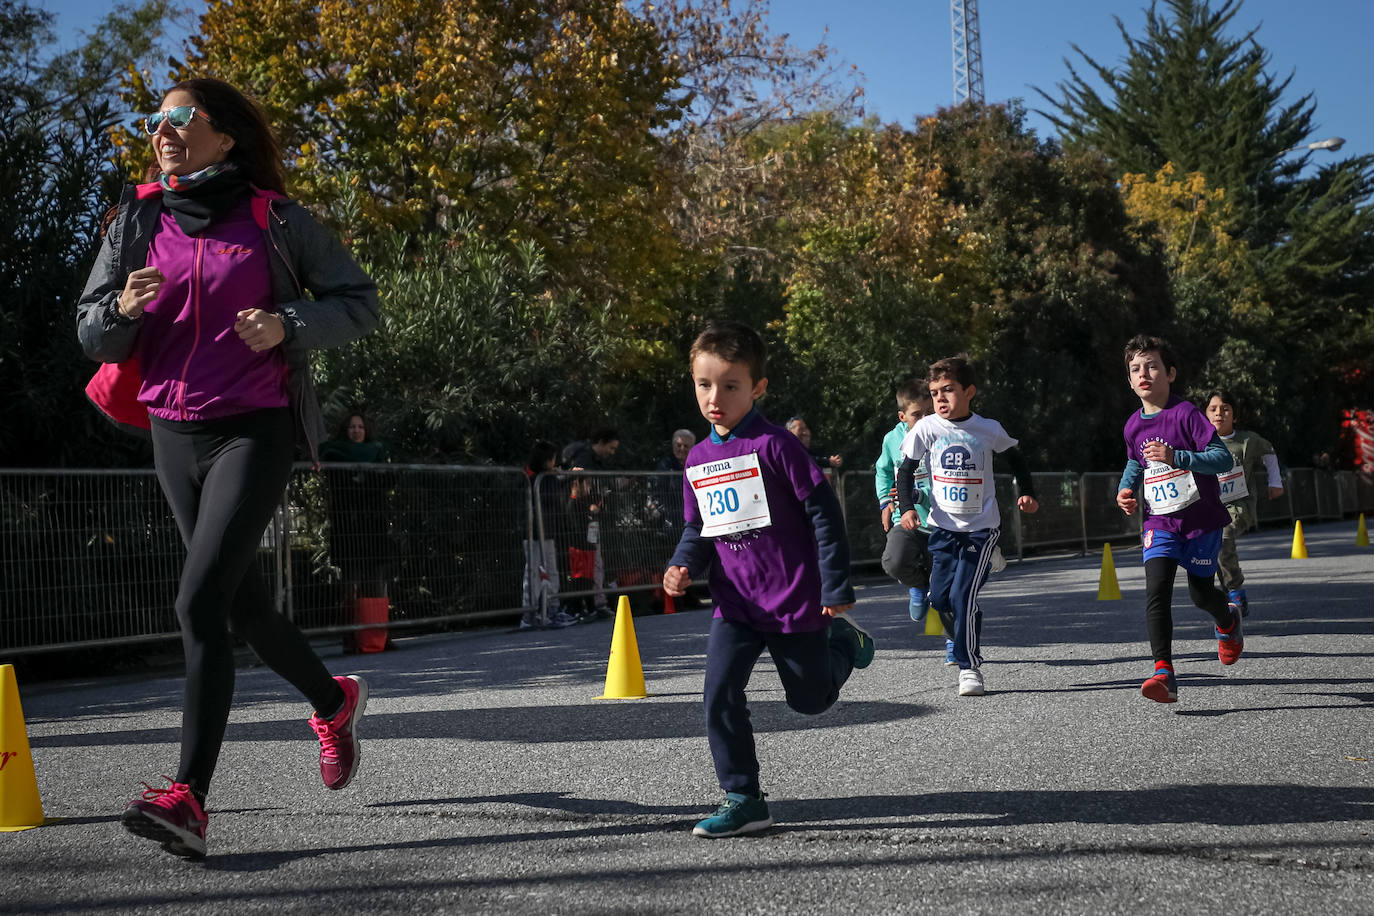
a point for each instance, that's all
(20, 807)
(624, 674)
(1299, 545)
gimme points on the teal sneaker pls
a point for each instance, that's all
(738, 814)
(842, 626)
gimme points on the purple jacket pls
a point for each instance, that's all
(195, 367)
(324, 298)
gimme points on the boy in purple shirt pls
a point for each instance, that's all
(761, 516)
(1173, 456)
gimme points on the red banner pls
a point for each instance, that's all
(1361, 426)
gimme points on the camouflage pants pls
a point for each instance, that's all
(1228, 563)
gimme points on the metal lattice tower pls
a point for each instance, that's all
(968, 51)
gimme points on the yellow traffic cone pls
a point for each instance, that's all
(1299, 545)
(1107, 587)
(624, 675)
(933, 625)
(1362, 534)
(20, 807)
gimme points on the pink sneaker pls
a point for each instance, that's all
(338, 736)
(170, 816)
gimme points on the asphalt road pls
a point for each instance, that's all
(493, 781)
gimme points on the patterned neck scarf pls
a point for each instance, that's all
(198, 199)
(185, 183)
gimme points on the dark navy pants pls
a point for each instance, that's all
(812, 669)
(959, 567)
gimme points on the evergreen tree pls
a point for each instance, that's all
(1191, 96)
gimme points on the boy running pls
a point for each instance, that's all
(906, 556)
(761, 516)
(1248, 450)
(957, 445)
(1176, 454)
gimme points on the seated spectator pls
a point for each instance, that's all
(797, 427)
(666, 493)
(359, 526)
(683, 440)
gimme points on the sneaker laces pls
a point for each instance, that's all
(176, 793)
(160, 794)
(731, 804)
(329, 738)
(727, 806)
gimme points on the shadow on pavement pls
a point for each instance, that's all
(610, 721)
(1213, 805)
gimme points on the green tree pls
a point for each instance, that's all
(56, 108)
(475, 357)
(571, 127)
(1060, 286)
(1190, 95)
(898, 247)
(540, 123)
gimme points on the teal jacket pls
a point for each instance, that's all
(885, 474)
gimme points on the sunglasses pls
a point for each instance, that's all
(179, 117)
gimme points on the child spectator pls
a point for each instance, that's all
(760, 514)
(957, 445)
(1176, 454)
(582, 536)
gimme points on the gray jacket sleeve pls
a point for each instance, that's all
(105, 335)
(344, 306)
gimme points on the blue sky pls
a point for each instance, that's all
(903, 49)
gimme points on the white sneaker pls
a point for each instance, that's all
(998, 562)
(970, 682)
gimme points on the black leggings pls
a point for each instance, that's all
(224, 479)
(1159, 599)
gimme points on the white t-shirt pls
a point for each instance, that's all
(959, 455)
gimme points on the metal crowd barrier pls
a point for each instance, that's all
(91, 557)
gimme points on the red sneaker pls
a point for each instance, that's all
(170, 816)
(338, 736)
(1230, 641)
(1161, 686)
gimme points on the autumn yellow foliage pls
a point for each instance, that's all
(1190, 222)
